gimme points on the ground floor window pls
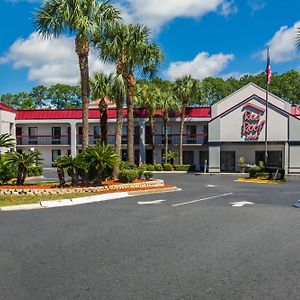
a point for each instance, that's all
(149, 156)
(124, 155)
(55, 155)
(274, 158)
(228, 161)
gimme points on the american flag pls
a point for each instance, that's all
(269, 70)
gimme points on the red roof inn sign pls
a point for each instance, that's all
(253, 124)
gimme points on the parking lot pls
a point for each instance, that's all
(213, 239)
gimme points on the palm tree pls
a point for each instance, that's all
(106, 87)
(22, 161)
(6, 140)
(130, 47)
(166, 102)
(186, 91)
(146, 96)
(101, 157)
(73, 166)
(83, 18)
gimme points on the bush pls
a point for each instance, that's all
(268, 173)
(7, 172)
(184, 167)
(167, 167)
(148, 175)
(124, 165)
(150, 168)
(158, 167)
(128, 176)
(34, 171)
(140, 171)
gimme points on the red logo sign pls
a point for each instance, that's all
(252, 123)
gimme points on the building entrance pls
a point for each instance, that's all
(227, 161)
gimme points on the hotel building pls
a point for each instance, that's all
(215, 136)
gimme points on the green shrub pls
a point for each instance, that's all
(140, 171)
(124, 165)
(126, 176)
(7, 172)
(34, 171)
(148, 175)
(269, 172)
(150, 168)
(184, 167)
(158, 167)
(167, 167)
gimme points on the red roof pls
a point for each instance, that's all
(295, 110)
(202, 112)
(6, 107)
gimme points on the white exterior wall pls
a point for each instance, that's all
(7, 125)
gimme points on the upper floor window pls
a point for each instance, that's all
(32, 132)
(97, 131)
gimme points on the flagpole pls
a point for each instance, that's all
(267, 104)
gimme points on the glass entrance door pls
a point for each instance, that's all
(227, 161)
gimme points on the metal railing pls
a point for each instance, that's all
(188, 139)
(24, 140)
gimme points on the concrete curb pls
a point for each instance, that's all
(85, 200)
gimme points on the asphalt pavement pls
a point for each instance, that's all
(193, 244)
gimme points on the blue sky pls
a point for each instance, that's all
(199, 37)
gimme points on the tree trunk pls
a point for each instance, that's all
(82, 50)
(103, 120)
(166, 119)
(61, 177)
(182, 116)
(99, 177)
(21, 175)
(152, 126)
(131, 84)
(74, 179)
(119, 125)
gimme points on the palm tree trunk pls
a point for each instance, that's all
(103, 120)
(131, 83)
(182, 116)
(21, 175)
(82, 50)
(152, 126)
(119, 125)
(166, 118)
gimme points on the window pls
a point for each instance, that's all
(124, 134)
(55, 155)
(32, 132)
(191, 131)
(274, 158)
(188, 157)
(97, 134)
(56, 135)
(32, 135)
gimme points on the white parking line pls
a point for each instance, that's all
(203, 199)
(151, 202)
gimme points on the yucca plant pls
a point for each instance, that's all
(100, 158)
(6, 140)
(22, 161)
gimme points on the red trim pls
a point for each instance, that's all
(6, 107)
(48, 114)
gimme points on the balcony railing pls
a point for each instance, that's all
(25, 140)
(188, 139)
(111, 139)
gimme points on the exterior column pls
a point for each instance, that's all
(286, 157)
(73, 139)
(214, 158)
(142, 141)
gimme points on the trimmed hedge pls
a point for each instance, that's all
(148, 175)
(150, 168)
(167, 167)
(268, 173)
(124, 165)
(184, 167)
(128, 176)
(158, 167)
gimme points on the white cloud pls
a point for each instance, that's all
(283, 44)
(256, 5)
(50, 61)
(156, 13)
(203, 65)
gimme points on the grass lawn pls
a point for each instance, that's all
(18, 200)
